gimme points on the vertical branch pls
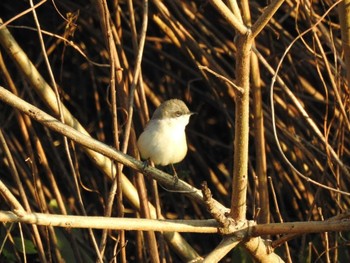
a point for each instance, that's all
(13, 201)
(151, 241)
(259, 135)
(344, 17)
(244, 45)
(240, 160)
(115, 79)
(259, 139)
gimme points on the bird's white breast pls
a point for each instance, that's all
(164, 140)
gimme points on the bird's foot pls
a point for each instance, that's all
(176, 178)
(145, 164)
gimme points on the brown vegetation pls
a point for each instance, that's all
(111, 66)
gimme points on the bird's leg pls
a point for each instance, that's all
(176, 179)
(145, 164)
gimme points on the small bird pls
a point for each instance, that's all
(164, 140)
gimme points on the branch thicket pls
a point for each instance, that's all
(271, 137)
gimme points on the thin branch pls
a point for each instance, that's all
(239, 89)
(7, 194)
(344, 13)
(189, 226)
(241, 138)
(265, 17)
(21, 14)
(309, 120)
(225, 246)
(300, 227)
(115, 223)
(304, 113)
(16, 205)
(229, 16)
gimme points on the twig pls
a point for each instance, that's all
(4, 24)
(239, 89)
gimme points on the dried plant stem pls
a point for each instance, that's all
(240, 161)
(22, 13)
(344, 17)
(202, 56)
(115, 190)
(259, 131)
(309, 121)
(229, 16)
(225, 246)
(265, 18)
(19, 209)
(16, 206)
(190, 226)
(116, 223)
(259, 139)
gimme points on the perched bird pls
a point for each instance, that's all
(164, 140)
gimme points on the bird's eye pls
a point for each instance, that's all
(178, 113)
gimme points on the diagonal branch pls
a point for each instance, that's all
(229, 16)
(265, 17)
